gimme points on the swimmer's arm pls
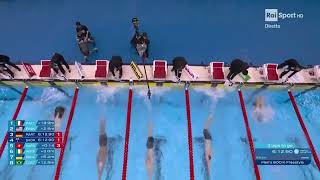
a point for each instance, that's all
(209, 121)
(102, 125)
(150, 129)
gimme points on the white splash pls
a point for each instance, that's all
(52, 95)
(263, 115)
(155, 92)
(105, 94)
(213, 93)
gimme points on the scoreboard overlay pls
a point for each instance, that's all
(33, 142)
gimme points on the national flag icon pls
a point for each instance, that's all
(19, 162)
(19, 134)
(19, 122)
(19, 158)
(19, 145)
(19, 151)
(19, 129)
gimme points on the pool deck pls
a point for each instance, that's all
(202, 72)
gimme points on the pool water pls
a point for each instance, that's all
(167, 113)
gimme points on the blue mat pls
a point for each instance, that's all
(200, 30)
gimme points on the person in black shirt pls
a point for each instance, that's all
(178, 64)
(83, 31)
(141, 43)
(84, 39)
(237, 66)
(144, 41)
(116, 64)
(292, 65)
(4, 63)
(56, 63)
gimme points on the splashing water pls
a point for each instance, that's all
(142, 93)
(263, 115)
(105, 94)
(52, 95)
(3, 95)
(213, 93)
(155, 92)
(310, 102)
(159, 91)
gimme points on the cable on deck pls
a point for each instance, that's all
(66, 134)
(127, 137)
(249, 135)
(306, 134)
(191, 166)
(145, 71)
(15, 115)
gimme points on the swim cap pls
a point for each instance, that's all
(59, 111)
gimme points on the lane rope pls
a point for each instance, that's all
(249, 135)
(306, 134)
(191, 166)
(15, 115)
(66, 134)
(127, 137)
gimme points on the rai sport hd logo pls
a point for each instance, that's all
(274, 17)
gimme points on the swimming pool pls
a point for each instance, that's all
(167, 112)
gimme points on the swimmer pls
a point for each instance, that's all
(261, 112)
(58, 115)
(259, 103)
(102, 153)
(150, 145)
(208, 142)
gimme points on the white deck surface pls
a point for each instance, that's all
(302, 77)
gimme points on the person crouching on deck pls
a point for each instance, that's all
(116, 65)
(4, 65)
(290, 65)
(56, 63)
(237, 66)
(179, 63)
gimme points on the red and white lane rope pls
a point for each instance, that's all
(66, 134)
(127, 137)
(249, 136)
(306, 134)
(191, 166)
